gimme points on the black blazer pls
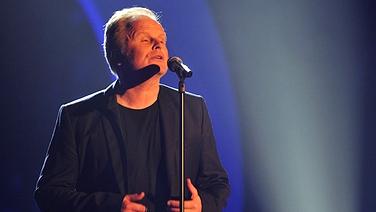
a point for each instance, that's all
(85, 166)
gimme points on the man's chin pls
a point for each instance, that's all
(162, 72)
(152, 68)
(162, 68)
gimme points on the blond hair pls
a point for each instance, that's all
(116, 30)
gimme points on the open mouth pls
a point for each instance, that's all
(158, 57)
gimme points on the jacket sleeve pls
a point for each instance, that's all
(212, 180)
(56, 186)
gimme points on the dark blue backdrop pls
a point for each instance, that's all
(290, 87)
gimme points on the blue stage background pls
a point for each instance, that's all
(290, 87)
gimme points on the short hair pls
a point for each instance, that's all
(116, 28)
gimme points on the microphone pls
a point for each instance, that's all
(176, 65)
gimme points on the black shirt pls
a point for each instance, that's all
(145, 159)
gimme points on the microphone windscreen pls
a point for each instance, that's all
(172, 62)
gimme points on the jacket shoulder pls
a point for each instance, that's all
(92, 102)
(88, 99)
(175, 92)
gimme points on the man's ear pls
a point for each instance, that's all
(117, 58)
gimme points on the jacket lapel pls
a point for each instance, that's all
(114, 137)
(169, 107)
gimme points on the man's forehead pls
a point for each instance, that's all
(145, 22)
(144, 25)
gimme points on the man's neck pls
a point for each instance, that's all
(139, 97)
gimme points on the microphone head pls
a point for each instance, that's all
(173, 62)
(176, 65)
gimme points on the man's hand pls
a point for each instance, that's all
(193, 205)
(129, 203)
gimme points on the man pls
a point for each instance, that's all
(118, 149)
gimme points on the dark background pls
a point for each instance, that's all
(50, 56)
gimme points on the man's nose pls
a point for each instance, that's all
(157, 45)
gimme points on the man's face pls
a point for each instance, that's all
(146, 45)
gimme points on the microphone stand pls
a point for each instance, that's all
(176, 65)
(182, 136)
